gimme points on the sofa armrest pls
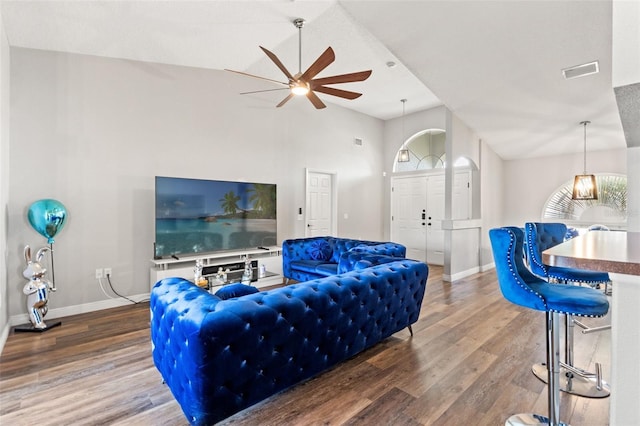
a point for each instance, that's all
(299, 249)
(235, 290)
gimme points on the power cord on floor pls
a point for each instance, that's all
(115, 292)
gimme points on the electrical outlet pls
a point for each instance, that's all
(98, 273)
(107, 272)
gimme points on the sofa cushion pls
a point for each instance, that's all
(362, 264)
(306, 265)
(327, 269)
(320, 250)
(342, 245)
(235, 290)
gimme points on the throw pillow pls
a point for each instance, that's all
(320, 250)
(235, 290)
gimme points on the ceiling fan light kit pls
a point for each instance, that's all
(584, 185)
(299, 88)
(304, 83)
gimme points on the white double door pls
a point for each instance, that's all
(417, 212)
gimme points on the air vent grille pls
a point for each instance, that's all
(581, 70)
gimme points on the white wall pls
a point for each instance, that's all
(492, 204)
(461, 246)
(529, 183)
(433, 118)
(4, 179)
(93, 132)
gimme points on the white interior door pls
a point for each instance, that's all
(320, 208)
(434, 217)
(408, 212)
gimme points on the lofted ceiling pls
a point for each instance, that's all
(495, 64)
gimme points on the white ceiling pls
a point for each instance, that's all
(496, 64)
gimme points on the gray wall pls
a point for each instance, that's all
(529, 183)
(93, 132)
(433, 118)
(492, 204)
(4, 178)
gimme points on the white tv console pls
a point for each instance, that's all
(270, 257)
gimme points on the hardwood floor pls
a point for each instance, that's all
(468, 363)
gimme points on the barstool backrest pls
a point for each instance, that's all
(513, 276)
(541, 236)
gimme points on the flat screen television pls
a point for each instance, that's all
(195, 216)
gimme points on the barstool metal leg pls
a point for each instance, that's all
(568, 339)
(575, 380)
(553, 378)
(553, 361)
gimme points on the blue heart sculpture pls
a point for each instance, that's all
(47, 217)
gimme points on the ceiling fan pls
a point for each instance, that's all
(303, 83)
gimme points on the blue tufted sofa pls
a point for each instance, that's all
(221, 356)
(305, 259)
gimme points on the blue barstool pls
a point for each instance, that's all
(542, 236)
(539, 237)
(521, 287)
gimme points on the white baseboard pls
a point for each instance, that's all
(4, 336)
(464, 274)
(488, 266)
(460, 275)
(79, 309)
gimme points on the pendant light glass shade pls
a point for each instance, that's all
(584, 185)
(584, 188)
(403, 154)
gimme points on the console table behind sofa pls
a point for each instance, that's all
(221, 356)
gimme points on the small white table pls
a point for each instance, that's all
(619, 254)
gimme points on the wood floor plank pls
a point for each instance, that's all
(468, 362)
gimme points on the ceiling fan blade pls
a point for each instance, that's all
(285, 100)
(337, 92)
(257, 76)
(315, 100)
(321, 63)
(342, 78)
(279, 64)
(266, 90)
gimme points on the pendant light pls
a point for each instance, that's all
(403, 154)
(584, 185)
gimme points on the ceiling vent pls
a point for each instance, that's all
(581, 70)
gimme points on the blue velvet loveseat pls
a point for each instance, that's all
(221, 356)
(305, 259)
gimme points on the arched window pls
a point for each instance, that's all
(426, 151)
(609, 209)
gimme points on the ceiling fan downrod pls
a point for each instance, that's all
(299, 23)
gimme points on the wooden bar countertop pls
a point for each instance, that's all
(606, 251)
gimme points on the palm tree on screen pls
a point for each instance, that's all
(230, 202)
(263, 197)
